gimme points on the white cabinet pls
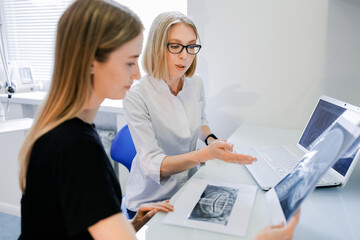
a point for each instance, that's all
(12, 134)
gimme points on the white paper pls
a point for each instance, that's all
(277, 213)
(224, 207)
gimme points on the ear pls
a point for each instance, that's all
(92, 66)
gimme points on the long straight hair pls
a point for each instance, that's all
(87, 30)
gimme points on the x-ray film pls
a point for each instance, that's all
(341, 137)
(214, 206)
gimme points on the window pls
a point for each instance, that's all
(30, 28)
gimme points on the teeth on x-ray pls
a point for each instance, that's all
(215, 205)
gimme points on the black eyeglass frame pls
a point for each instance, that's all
(182, 48)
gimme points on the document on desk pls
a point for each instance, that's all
(214, 206)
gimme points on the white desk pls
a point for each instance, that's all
(328, 213)
(37, 98)
(15, 125)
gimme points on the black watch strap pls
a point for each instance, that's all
(210, 135)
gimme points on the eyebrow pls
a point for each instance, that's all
(178, 41)
(134, 56)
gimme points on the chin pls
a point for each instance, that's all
(178, 75)
(122, 96)
(118, 96)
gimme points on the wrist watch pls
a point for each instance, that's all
(210, 135)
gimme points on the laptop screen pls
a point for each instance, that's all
(324, 115)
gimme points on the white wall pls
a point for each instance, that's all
(266, 62)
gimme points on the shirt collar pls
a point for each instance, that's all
(161, 85)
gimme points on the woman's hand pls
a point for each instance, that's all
(147, 211)
(220, 149)
(279, 232)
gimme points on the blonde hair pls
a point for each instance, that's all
(154, 59)
(88, 30)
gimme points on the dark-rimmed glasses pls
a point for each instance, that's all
(176, 48)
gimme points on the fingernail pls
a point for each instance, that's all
(230, 145)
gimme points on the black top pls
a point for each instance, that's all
(70, 184)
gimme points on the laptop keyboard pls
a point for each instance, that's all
(281, 160)
(329, 178)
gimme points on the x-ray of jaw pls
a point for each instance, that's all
(343, 136)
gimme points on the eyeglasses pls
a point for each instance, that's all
(176, 48)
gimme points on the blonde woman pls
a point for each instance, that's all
(70, 190)
(166, 115)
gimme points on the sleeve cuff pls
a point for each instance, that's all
(151, 168)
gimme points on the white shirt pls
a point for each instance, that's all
(161, 125)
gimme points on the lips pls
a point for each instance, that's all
(180, 67)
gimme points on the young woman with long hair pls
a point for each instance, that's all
(70, 190)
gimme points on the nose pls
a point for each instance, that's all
(136, 74)
(183, 54)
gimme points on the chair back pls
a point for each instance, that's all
(122, 148)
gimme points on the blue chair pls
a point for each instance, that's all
(122, 148)
(123, 151)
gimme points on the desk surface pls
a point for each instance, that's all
(36, 98)
(15, 125)
(328, 213)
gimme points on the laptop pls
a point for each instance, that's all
(275, 162)
(285, 198)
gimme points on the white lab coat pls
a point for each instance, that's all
(161, 124)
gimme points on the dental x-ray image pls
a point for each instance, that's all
(340, 137)
(215, 205)
(295, 186)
